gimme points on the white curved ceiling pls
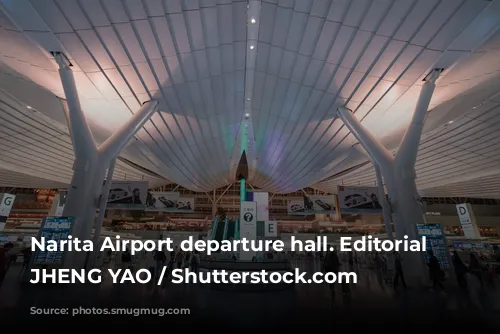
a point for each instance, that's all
(209, 66)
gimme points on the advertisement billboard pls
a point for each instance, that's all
(314, 204)
(359, 200)
(295, 207)
(169, 202)
(162, 201)
(185, 204)
(128, 195)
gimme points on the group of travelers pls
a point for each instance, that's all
(475, 268)
(436, 273)
(333, 263)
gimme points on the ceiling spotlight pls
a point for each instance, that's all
(252, 47)
(474, 107)
(247, 115)
(450, 122)
(29, 107)
(253, 21)
(248, 99)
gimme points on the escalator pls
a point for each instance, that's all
(219, 230)
(231, 229)
(261, 229)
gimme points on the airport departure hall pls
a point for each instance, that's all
(328, 123)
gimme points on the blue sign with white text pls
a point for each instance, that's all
(434, 241)
(53, 228)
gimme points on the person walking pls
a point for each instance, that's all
(398, 266)
(179, 258)
(195, 261)
(435, 272)
(460, 269)
(160, 259)
(331, 264)
(150, 262)
(475, 268)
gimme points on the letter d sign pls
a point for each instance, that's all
(462, 210)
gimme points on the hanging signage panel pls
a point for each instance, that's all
(271, 229)
(162, 201)
(468, 221)
(7, 200)
(58, 204)
(310, 205)
(169, 202)
(321, 204)
(185, 204)
(359, 200)
(128, 195)
(262, 200)
(296, 207)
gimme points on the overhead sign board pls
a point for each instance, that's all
(262, 200)
(128, 195)
(58, 204)
(271, 229)
(7, 201)
(314, 204)
(359, 200)
(468, 221)
(169, 202)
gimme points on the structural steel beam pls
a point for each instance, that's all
(117, 141)
(374, 148)
(91, 162)
(399, 171)
(408, 150)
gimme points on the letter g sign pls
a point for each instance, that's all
(8, 200)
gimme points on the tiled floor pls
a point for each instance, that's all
(372, 303)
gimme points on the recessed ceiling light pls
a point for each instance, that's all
(450, 122)
(248, 99)
(253, 21)
(29, 107)
(474, 107)
(247, 115)
(252, 47)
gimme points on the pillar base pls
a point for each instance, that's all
(407, 213)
